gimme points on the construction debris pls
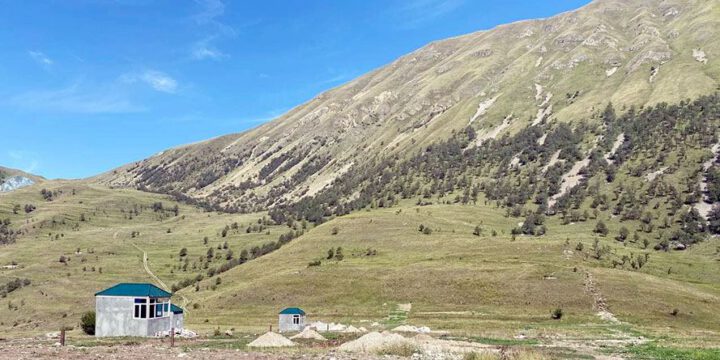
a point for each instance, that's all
(374, 342)
(412, 329)
(352, 329)
(182, 333)
(309, 333)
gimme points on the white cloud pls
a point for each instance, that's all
(214, 29)
(204, 50)
(160, 81)
(74, 99)
(40, 58)
(156, 79)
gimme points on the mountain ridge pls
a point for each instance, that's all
(496, 81)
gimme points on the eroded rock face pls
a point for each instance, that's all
(14, 183)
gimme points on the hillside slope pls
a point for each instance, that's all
(500, 81)
(484, 283)
(66, 240)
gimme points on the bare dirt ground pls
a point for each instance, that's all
(17, 351)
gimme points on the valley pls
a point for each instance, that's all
(546, 189)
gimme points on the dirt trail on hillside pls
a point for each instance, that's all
(157, 279)
(603, 311)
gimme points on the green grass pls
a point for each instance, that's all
(396, 317)
(655, 352)
(484, 286)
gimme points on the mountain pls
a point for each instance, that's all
(562, 69)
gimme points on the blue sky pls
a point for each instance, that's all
(89, 85)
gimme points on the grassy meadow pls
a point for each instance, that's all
(485, 286)
(98, 232)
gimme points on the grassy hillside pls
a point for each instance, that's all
(487, 285)
(101, 234)
(469, 275)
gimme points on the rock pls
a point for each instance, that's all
(700, 56)
(14, 183)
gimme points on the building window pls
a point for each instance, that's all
(140, 309)
(151, 311)
(296, 319)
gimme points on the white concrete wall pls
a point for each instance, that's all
(114, 317)
(285, 323)
(158, 325)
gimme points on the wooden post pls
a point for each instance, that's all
(270, 327)
(62, 336)
(172, 336)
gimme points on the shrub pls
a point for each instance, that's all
(339, 254)
(557, 314)
(601, 228)
(87, 322)
(478, 231)
(623, 234)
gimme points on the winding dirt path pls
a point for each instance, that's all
(157, 279)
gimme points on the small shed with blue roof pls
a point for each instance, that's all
(136, 309)
(291, 319)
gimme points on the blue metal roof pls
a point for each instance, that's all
(135, 289)
(292, 311)
(175, 309)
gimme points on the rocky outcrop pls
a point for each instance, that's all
(15, 182)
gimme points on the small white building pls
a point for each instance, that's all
(291, 319)
(135, 309)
